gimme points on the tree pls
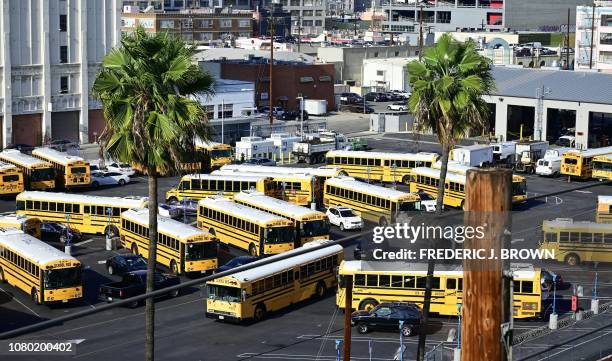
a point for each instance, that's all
(447, 88)
(146, 86)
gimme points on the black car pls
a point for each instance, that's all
(134, 284)
(386, 317)
(54, 231)
(350, 98)
(288, 115)
(357, 108)
(124, 263)
(236, 262)
(376, 97)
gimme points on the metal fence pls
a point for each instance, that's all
(439, 353)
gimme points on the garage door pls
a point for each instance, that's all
(65, 125)
(27, 129)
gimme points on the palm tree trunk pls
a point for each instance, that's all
(150, 306)
(431, 263)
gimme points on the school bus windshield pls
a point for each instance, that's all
(220, 153)
(315, 228)
(279, 235)
(200, 251)
(223, 293)
(63, 278)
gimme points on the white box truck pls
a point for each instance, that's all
(313, 149)
(284, 144)
(528, 153)
(254, 148)
(477, 155)
(504, 152)
(315, 106)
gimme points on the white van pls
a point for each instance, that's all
(550, 167)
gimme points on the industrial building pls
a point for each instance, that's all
(50, 54)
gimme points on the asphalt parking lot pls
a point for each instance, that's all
(306, 331)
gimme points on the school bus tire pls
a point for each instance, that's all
(368, 304)
(134, 248)
(212, 231)
(320, 290)
(383, 222)
(572, 259)
(253, 250)
(172, 200)
(260, 312)
(174, 267)
(34, 295)
(2, 279)
(343, 173)
(406, 180)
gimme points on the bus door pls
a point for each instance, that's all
(452, 291)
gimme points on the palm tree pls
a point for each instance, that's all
(146, 86)
(447, 88)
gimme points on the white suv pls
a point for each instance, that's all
(344, 218)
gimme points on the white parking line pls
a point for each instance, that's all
(84, 242)
(285, 356)
(16, 300)
(576, 345)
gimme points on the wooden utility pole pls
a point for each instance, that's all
(270, 97)
(592, 36)
(421, 32)
(567, 41)
(486, 294)
(348, 308)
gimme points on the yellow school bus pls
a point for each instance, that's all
(219, 154)
(577, 241)
(254, 293)
(180, 247)
(604, 209)
(45, 273)
(87, 214)
(199, 186)
(373, 203)
(38, 174)
(602, 167)
(579, 164)
(427, 180)
(29, 225)
(519, 183)
(293, 188)
(260, 233)
(309, 225)
(375, 282)
(11, 179)
(70, 171)
(320, 174)
(379, 166)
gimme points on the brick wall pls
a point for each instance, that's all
(96, 124)
(288, 82)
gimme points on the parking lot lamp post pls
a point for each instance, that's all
(107, 236)
(301, 117)
(595, 287)
(68, 246)
(554, 310)
(184, 210)
(401, 326)
(459, 326)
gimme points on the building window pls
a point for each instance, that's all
(210, 111)
(187, 24)
(307, 13)
(225, 110)
(206, 24)
(146, 23)
(605, 57)
(206, 36)
(244, 23)
(376, 54)
(225, 23)
(63, 85)
(187, 36)
(306, 79)
(380, 72)
(605, 38)
(166, 24)
(128, 22)
(63, 54)
(606, 20)
(244, 35)
(325, 78)
(318, 22)
(63, 23)
(444, 17)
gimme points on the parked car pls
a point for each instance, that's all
(288, 115)
(275, 110)
(350, 98)
(404, 93)
(376, 97)
(122, 168)
(357, 108)
(344, 218)
(134, 284)
(428, 203)
(100, 178)
(399, 106)
(190, 207)
(386, 317)
(167, 210)
(63, 144)
(261, 161)
(125, 263)
(55, 231)
(392, 96)
(236, 262)
(24, 148)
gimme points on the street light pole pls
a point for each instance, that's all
(301, 117)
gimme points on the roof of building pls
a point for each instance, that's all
(395, 61)
(251, 56)
(574, 86)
